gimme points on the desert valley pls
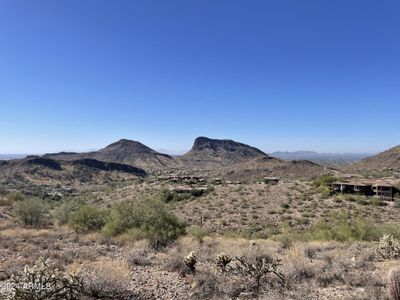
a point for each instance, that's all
(223, 221)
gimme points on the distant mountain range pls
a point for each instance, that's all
(208, 157)
(317, 155)
(12, 156)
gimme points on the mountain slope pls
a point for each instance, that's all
(259, 168)
(41, 169)
(384, 163)
(208, 152)
(126, 152)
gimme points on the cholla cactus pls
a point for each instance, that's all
(388, 247)
(222, 261)
(394, 284)
(43, 281)
(190, 261)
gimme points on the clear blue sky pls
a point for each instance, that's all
(280, 75)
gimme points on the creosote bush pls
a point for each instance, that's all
(30, 211)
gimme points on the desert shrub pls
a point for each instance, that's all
(5, 201)
(167, 196)
(255, 268)
(30, 211)
(324, 180)
(341, 227)
(388, 247)
(139, 258)
(15, 196)
(3, 191)
(175, 261)
(67, 210)
(145, 219)
(394, 284)
(397, 200)
(106, 279)
(324, 191)
(376, 201)
(210, 188)
(88, 218)
(299, 268)
(198, 233)
(207, 286)
(197, 192)
(43, 281)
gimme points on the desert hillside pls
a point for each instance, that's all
(382, 164)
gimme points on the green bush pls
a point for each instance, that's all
(30, 211)
(325, 191)
(376, 201)
(147, 218)
(88, 218)
(169, 196)
(324, 180)
(198, 233)
(342, 227)
(15, 196)
(67, 210)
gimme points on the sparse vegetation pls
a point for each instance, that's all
(87, 218)
(107, 279)
(30, 211)
(144, 219)
(44, 281)
(394, 284)
(324, 180)
(388, 247)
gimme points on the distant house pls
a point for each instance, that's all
(368, 188)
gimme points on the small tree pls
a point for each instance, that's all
(30, 211)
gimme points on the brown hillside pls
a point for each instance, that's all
(126, 152)
(384, 163)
